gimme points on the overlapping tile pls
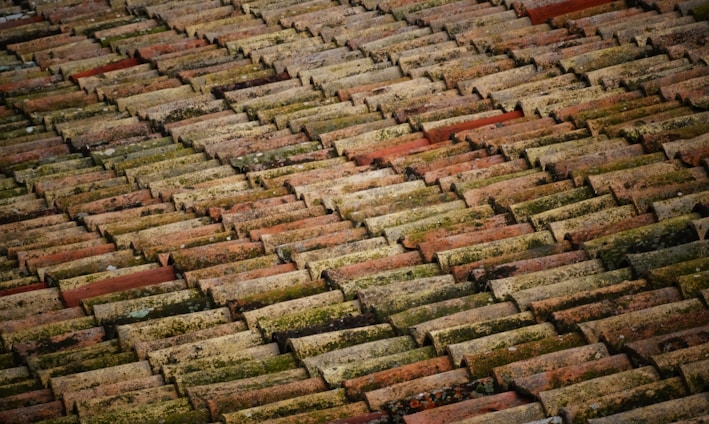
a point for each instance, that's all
(352, 210)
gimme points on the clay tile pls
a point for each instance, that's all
(293, 406)
(683, 408)
(645, 394)
(158, 275)
(33, 413)
(546, 12)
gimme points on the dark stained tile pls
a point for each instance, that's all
(684, 408)
(645, 394)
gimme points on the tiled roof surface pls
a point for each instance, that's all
(364, 211)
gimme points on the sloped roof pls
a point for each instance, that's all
(374, 211)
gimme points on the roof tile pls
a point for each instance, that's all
(314, 401)
(530, 412)
(566, 319)
(254, 368)
(377, 399)
(676, 361)
(639, 396)
(131, 334)
(527, 333)
(683, 408)
(586, 390)
(504, 287)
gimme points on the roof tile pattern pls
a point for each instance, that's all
(360, 211)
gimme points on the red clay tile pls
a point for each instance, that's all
(216, 212)
(433, 176)
(248, 399)
(578, 238)
(444, 133)
(588, 25)
(566, 319)
(314, 219)
(387, 397)
(26, 399)
(61, 257)
(352, 271)
(76, 339)
(642, 351)
(634, 398)
(46, 317)
(411, 241)
(534, 384)
(73, 298)
(481, 275)
(154, 51)
(462, 272)
(126, 63)
(34, 155)
(543, 309)
(449, 157)
(22, 289)
(544, 13)
(216, 253)
(114, 203)
(388, 152)
(494, 361)
(578, 167)
(429, 249)
(468, 408)
(34, 413)
(675, 317)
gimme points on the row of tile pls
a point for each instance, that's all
(355, 187)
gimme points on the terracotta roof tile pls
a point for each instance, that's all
(506, 287)
(567, 318)
(683, 408)
(132, 165)
(314, 401)
(595, 387)
(645, 394)
(687, 361)
(376, 399)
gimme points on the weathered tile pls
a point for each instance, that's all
(683, 408)
(504, 287)
(646, 322)
(128, 280)
(226, 289)
(149, 411)
(557, 398)
(567, 318)
(466, 409)
(656, 263)
(463, 255)
(253, 368)
(256, 318)
(574, 373)
(34, 413)
(130, 334)
(550, 154)
(148, 307)
(143, 348)
(560, 133)
(88, 379)
(212, 348)
(543, 301)
(466, 180)
(379, 397)
(642, 395)
(674, 231)
(315, 401)
(589, 206)
(213, 254)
